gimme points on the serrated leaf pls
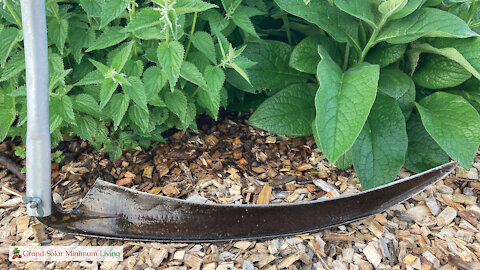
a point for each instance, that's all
(242, 19)
(453, 123)
(271, 71)
(136, 91)
(122, 56)
(111, 10)
(139, 117)
(189, 116)
(210, 97)
(7, 114)
(379, 151)
(145, 18)
(305, 58)
(191, 6)
(289, 112)
(385, 54)
(425, 22)
(106, 91)
(399, 86)
(423, 152)
(63, 107)
(87, 104)
(117, 107)
(190, 72)
(177, 103)
(154, 79)
(341, 26)
(94, 77)
(100, 66)
(204, 43)
(111, 36)
(342, 103)
(58, 32)
(170, 57)
(438, 72)
(14, 66)
(10, 37)
(86, 127)
(92, 7)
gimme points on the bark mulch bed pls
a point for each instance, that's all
(230, 162)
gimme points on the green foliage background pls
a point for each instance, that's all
(380, 84)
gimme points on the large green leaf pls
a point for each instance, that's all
(14, 66)
(271, 71)
(87, 104)
(190, 72)
(117, 107)
(139, 117)
(63, 106)
(111, 36)
(177, 103)
(423, 152)
(145, 18)
(209, 97)
(438, 72)
(385, 54)
(399, 86)
(291, 111)
(86, 127)
(136, 91)
(112, 9)
(10, 36)
(121, 56)
(204, 43)
(58, 32)
(154, 79)
(7, 113)
(342, 103)
(379, 151)
(242, 19)
(106, 91)
(170, 58)
(190, 6)
(335, 22)
(305, 57)
(429, 22)
(453, 123)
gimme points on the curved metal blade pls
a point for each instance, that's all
(113, 211)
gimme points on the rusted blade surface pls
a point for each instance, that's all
(113, 211)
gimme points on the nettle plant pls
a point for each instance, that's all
(397, 84)
(124, 71)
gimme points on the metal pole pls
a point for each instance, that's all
(39, 196)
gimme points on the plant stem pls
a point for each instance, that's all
(373, 39)
(55, 12)
(19, 23)
(347, 56)
(286, 23)
(191, 34)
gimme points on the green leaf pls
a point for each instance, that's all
(410, 7)
(345, 161)
(7, 114)
(177, 103)
(86, 127)
(305, 58)
(63, 106)
(122, 56)
(101, 67)
(87, 104)
(425, 22)
(14, 66)
(189, 119)
(170, 57)
(438, 72)
(94, 77)
(335, 22)
(112, 9)
(191, 6)
(209, 97)
(10, 37)
(271, 71)
(136, 91)
(242, 19)
(365, 10)
(117, 108)
(111, 36)
(139, 117)
(145, 18)
(379, 151)
(342, 103)
(58, 32)
(92, 7)
(290, 112)
(399, 86)
(385, 54)
(453, 123)
(190, 72)
(154, 79)
(204, 43)
(423, 152)
(106, 91)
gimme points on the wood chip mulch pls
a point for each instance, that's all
(231, 162)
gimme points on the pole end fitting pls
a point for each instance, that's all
(34, 203)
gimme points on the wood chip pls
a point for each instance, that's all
(147, 172)
(22, 223)
(124, 181)
(291, 259)
(265, 194)
(243, 245)
(373, 254)
(446, 216)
